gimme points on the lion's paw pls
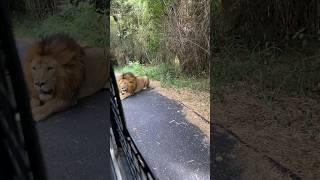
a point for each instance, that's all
(38, 114)
(35, 102)
(124, 96)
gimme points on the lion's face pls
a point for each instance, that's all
(123, 86)
(44, 76)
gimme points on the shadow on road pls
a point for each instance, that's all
(224, 166)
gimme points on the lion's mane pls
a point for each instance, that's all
(129, 84)
(69, 56)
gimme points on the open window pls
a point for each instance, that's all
(70, 145)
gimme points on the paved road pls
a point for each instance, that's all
(173, 148)
(75, 142)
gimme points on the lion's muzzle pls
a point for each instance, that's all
(40, 84)
(47, 92)
(43, 88)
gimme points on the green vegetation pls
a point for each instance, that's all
(253, 47)
(152, 31)
(167, 75)
(80, 22)
(294, 73)
(141, 31)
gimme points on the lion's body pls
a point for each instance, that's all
(129, 84)
(142, 83)
(58, 72)
(97, 71)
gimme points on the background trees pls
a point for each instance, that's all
(167, 31)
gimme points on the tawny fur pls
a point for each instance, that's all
(142, 83)
(68, 55)
(74, 69)
(97, 67)
(129, 84)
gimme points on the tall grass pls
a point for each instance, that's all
(294, 73)
(269, 23)
(272, 45)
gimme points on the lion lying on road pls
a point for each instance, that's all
(129, 84)
(58, 72)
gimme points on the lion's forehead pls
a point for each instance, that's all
(123, 81)
(124, 85)
(41, 71)
(44, 60)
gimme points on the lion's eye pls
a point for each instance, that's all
(33, 68)
(50, 68)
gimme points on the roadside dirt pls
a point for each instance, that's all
(280, 131)
(196, 105)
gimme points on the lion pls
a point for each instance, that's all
(58, 72)
(129, 84)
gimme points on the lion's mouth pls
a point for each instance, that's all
(46, 92)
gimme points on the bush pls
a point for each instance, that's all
(187, 34)
(157, 31)
(272, 22)
(80, 22)
(167, 75)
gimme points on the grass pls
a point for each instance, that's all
(294, 73)
(81, 23)
(167, 75)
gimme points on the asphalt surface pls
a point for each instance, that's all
(75, 143)
(172, 147)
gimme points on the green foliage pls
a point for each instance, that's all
(138, 31)
(167, 75)
(155, 31)
(153, 43)
(80, 22)
(25, 26)
(288, 74)
(252, 46)
(261, 23)
(155, 10)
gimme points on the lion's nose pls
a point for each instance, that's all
(40, 83)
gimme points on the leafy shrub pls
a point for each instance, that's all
(80, 22)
